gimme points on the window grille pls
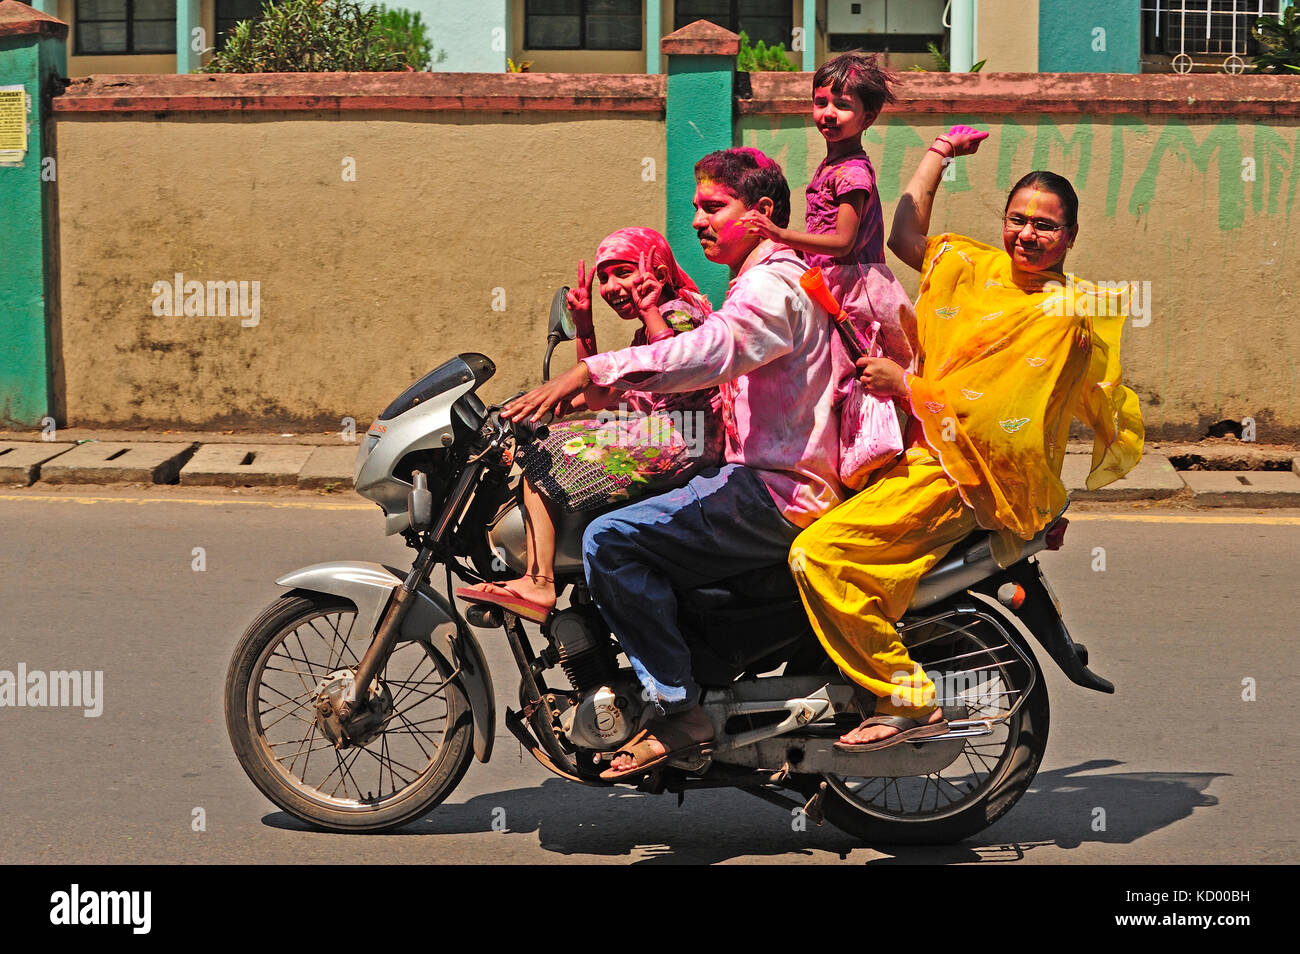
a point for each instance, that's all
(1218, 31)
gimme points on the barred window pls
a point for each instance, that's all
(768, 20)
(105, 27)
(582, 25)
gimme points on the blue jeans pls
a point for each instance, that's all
(722, 523)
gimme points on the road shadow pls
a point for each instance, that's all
(715, 825)
(1068, 807)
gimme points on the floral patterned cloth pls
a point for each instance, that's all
(651, 442)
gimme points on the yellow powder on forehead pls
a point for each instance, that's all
(1032, 206)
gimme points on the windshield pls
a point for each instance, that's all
(470, 366)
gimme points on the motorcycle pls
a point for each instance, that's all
(356, 701)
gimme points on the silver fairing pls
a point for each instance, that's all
(424, 427)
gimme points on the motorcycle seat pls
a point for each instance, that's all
(968, 562)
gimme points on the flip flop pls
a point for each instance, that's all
(677, 743)
(508, 600)
(909, 730)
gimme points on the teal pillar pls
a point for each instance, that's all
(1089, 36)
(701, 68)
(32, 55)
(188, 59)
(653, 23)
(50, 7)
(810, 36)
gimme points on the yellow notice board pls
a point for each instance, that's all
(13, 123)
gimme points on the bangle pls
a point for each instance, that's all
(666, 333)
(947, 160)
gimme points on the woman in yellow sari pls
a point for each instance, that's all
(1008, 349)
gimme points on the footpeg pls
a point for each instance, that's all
(485, 616)
(813, 810)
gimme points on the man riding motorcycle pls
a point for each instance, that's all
(769, 346)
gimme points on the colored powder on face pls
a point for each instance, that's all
(1032, 207)
(731, 231)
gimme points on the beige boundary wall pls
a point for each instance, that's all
(475, 193)
(1187, 187)
(466, 213)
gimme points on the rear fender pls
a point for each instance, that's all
(1039, 615)
(368, 587)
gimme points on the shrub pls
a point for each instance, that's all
(762, 58)
(1281, 43)
(311, 36)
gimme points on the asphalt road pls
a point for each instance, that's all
(1189, 608)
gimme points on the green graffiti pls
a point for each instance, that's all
(1118, 127)
(898, 137)
(1178, 138)
(1049, 135)
(1012, 135)
(1295, 175)
(1273, 159)
(786, 140)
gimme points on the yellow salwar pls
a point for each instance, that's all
(1004, 359)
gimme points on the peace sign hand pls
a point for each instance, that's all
(578, 298)
(648, 287)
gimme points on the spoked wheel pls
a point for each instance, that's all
(400, 758)
(984, 670)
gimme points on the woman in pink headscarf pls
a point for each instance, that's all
(641, 443)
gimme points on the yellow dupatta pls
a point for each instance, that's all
(1004, 359)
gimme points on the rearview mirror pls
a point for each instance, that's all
(561, 326)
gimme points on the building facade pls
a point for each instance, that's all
(622, 36)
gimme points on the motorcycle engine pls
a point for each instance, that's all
(586, 653)
(606, 718)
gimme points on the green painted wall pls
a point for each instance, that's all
(698, 122)
(1089, 36)
(1203, 215)
(30, 386)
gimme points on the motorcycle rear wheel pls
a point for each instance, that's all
(410, 765)
(986, 779)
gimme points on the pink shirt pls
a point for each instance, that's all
(769, 347)
(831, 185)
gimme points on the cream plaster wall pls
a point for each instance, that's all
(1203, 215)
(364, 285)
(1006, 35)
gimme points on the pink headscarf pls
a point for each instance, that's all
(628, 245)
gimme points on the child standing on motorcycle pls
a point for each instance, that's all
(844, 221)
(653, 443)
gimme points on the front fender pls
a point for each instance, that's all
(368, 586)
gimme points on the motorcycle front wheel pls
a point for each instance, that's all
(404, 767)
(982, 673)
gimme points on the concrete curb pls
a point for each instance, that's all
(309, 463)
(251, 465)
(100, 462)
(20, 461)
(1222, 488)
(1154, 478)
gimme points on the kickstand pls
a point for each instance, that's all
(681, 797)
(813, 809)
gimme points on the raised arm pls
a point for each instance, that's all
(907, 236)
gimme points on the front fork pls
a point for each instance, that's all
(376, 656)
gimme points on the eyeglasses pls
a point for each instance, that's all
(1042, 226)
